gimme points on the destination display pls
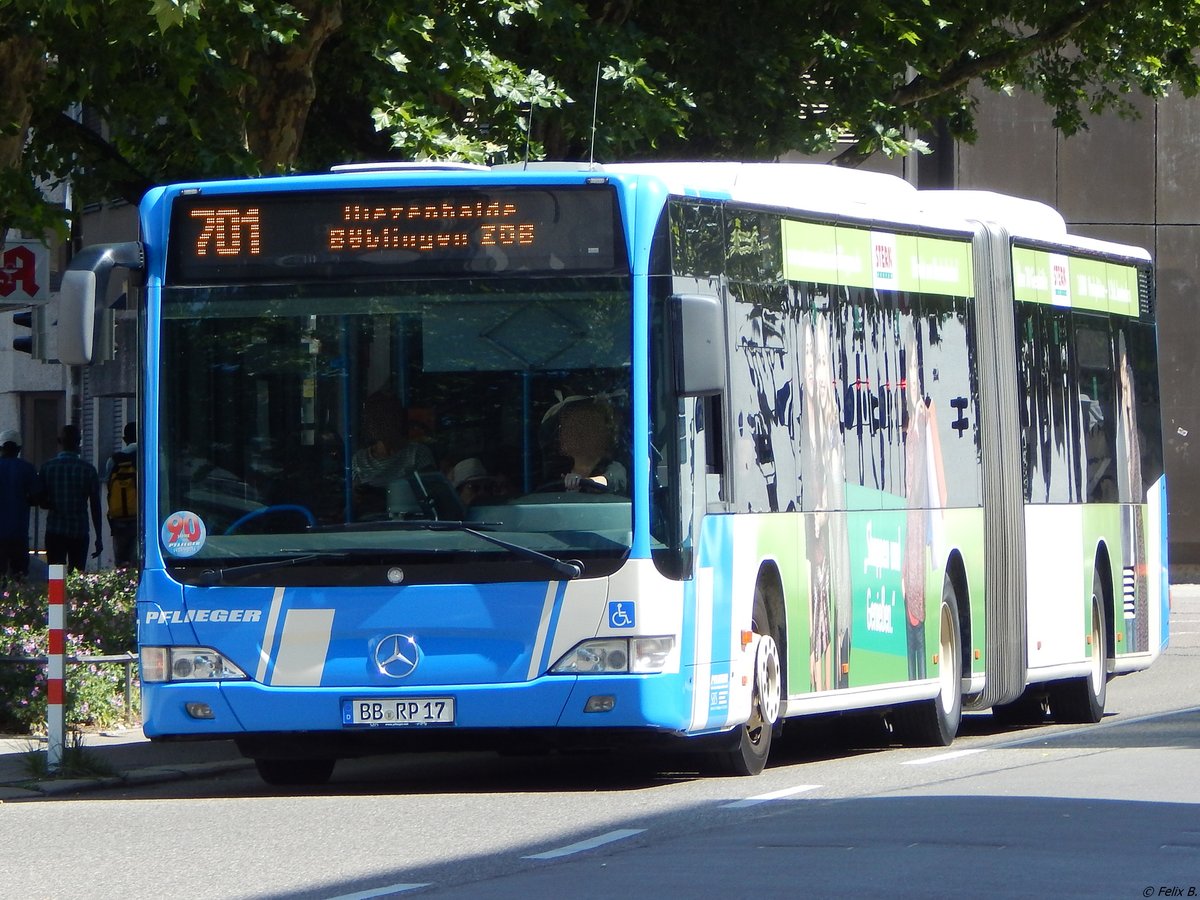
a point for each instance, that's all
(401, 232)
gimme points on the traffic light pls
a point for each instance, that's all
(34, 342)
(24, 343)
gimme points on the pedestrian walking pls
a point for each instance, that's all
(69, 486)
(120, 479)
(18, 482)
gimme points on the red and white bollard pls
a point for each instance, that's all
(56, 667)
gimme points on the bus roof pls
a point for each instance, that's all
(815, 188)
(802, 185)
(820, 188)
(1021, 218)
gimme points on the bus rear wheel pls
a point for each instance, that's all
(1081, 700)
(748, 755)
(934, 723)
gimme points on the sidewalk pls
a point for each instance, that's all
(127, 753)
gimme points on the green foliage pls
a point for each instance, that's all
(168, 13)
(100, 622)
(191, 89)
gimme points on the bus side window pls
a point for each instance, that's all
(1098, 408)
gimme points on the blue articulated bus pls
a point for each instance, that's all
(459, 457)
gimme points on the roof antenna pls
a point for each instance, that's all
(528, 133)
(595, 106)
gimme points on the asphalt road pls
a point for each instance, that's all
(1111, 810)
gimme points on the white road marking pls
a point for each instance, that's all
(942, 757)
(589, 844)
(381, 892)
(773, 795)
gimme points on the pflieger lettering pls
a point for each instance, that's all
(181, 617)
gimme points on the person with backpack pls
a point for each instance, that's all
(120, 477)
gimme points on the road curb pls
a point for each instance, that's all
(56, 787)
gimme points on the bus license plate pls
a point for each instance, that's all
(399, 711)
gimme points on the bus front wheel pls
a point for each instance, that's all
(748, 755)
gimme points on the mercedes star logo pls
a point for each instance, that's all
(397, 655)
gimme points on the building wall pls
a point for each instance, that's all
(1126, 180)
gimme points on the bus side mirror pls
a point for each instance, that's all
(85, 280)
(698, 344)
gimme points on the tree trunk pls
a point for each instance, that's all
(284, 89)
(22, 67)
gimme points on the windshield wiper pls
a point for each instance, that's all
(215, 576)
(567, 568)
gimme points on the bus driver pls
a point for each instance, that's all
(585, 436)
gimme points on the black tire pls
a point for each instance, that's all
(1081, 701)
(294, 772)
(751, 742)
(934, 723)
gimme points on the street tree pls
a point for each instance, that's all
(868, 76)
(119, 95)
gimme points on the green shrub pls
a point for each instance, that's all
(101, 621)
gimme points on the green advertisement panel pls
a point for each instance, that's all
(1040, 276)
(879, 628)
(882, 563)
(882, 260)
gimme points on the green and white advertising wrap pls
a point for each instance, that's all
(857, 257)
(1071, 281)
(851, 572)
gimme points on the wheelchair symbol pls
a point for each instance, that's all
(620, 614)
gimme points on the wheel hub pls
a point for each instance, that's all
(767, 678)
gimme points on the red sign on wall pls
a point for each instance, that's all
(24, 273)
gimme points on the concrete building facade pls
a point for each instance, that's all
(1131, 181)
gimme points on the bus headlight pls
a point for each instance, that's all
(607, 656)
(160, 664)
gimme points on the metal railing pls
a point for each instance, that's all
(129, 660)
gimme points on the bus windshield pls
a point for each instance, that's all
(415, 424)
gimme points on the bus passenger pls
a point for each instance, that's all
(388, 454)
(380, 468)
(471, 481)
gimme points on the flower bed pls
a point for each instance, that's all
(101, 621)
